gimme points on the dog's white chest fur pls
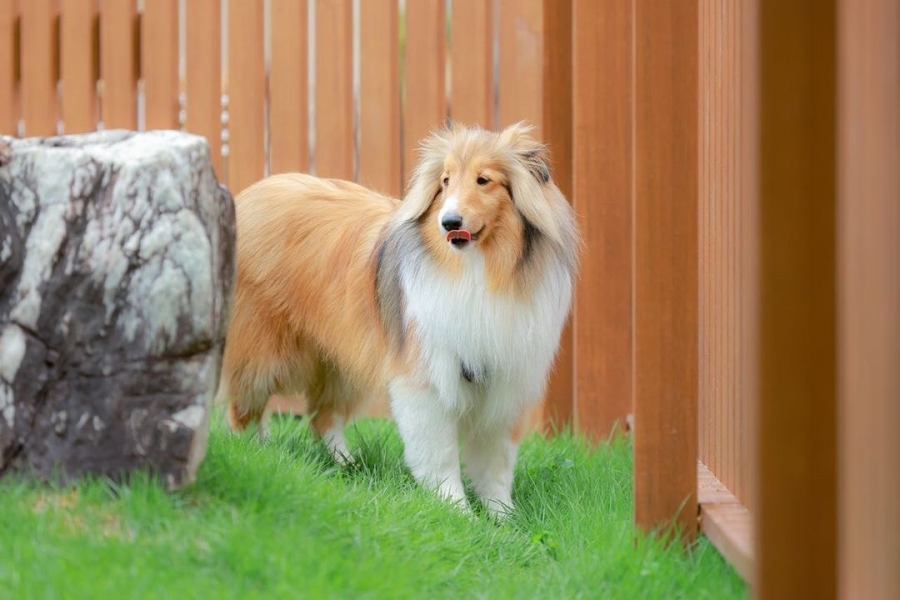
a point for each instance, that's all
(507, 344)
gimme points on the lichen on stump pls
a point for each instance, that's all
(116, 271)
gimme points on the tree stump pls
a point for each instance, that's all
(116, 272)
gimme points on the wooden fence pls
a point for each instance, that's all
(733, 164)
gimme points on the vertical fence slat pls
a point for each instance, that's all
(424, 104)
(471, 62)
(795, 510)
(8, 106)
(39, 101)
(118, 64)
(538, 32)
(159, 56)
(246, 94)
(380, 161)
(79, 65)
(868, 298)
(665, 265)
(334, 88)
(602, 144)
(288, 97)
(204, 74)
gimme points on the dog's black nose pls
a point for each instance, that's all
(451, 222)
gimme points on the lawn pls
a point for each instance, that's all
(281, 520)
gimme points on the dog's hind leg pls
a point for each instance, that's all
(330, 404)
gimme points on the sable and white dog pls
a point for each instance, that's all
(452, 300)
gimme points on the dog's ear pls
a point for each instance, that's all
(425, 183)
(530, 184)
(531, 153)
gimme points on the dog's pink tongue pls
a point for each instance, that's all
(459, 234)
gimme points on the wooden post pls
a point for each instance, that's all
(159, 60)
(288, 88)
(118, 64)
(665, 265)
(472, 62)
(39, 67)
(868, 234)
(9, 111)
(204, 75)
(78, 32)
(246, 94)
(602, 180)
(795, 508)
(334, 89)
(540, 32)
(380, 159)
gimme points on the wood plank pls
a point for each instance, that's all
(536, 32)
(665, 265)
(9, 110)
(424, 102)
(79, 72)
(603, 197)
(39, 67)
(380, 158)
(334, 89)
(159, 66)
(203, 76)
(869, 298)
(118, 64)
(725, 521)
(288, 88)
(246, 94)
(471, 62)
(795, 509)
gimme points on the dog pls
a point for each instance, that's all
(451, 301)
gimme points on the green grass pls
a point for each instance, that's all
(281, 520)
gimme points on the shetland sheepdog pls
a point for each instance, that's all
(451, 301)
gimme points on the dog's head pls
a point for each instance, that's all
(473, 185)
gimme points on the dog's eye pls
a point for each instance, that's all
(482, 181)
(445, 181)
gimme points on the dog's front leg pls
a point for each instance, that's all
(430, 439)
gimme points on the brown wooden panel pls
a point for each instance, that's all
(869, 299)
(288, 88)
(118, 64)
(159, 56)
(246, 94)
(334, 88)
(39, 67)
(204, 74)
(603, 195)
(665, 264)
(795, 509)
(380, 159)
(9, 110)
(471, 62)
(424, 104)
(728, 284)
(79, 44)
(521, 49)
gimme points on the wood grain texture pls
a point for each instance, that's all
(795, 500)
(118, 64)
(869, 299)
(9, 109)
(40, 107)
(334, 89)
(665, 265)
(728, 278)
(424, 102)
(288, 87)
(471, 63)
(203, 77)
(725, 521)
(531, 33)
(603, 196)
(159, 63)
(380, 155)
(79, 31)
(246, 94)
